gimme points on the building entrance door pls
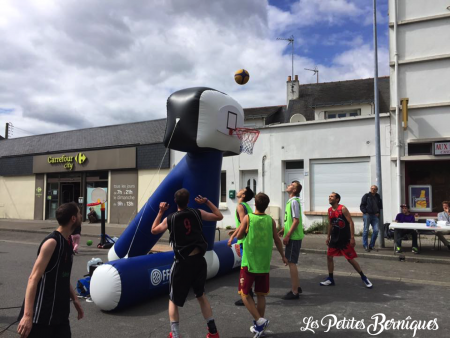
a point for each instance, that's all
(250, 179)
(294, 175)
(70, 192)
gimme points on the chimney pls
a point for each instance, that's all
(292, 89)
(6, 130)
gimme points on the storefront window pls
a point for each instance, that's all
(429, 173)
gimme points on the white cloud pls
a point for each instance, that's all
(76, 64)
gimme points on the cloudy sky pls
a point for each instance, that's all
(87, 63)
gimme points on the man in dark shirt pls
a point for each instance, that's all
(46, 308)
(189, 268)
(405, 217)
(371, 206)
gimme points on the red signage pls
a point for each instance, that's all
(442, 148)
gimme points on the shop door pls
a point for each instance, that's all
(70, 192)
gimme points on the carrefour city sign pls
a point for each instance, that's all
(68, 161)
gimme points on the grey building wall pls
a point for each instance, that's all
(150, 156)
(16, 166)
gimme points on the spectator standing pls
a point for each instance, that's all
(371, 206)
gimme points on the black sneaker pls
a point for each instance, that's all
(366, 248)
(290, 295)
(240, 302)
(371, 248)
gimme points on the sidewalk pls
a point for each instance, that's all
(312, 243)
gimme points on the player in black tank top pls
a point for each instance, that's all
(46, 308)
(185, 227)
(189, 268)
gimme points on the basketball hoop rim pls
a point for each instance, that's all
(240, 131)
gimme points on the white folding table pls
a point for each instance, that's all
(418, 227)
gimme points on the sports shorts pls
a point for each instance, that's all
(246, 280)
(187, 274)
(348, 252)
(292, 250)
(51, 331)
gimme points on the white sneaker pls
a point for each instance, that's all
(253, 330)
(367, 282)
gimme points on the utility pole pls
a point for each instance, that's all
(6, 130)
(377, 122)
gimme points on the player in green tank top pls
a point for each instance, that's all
(293, 236)
(244, 195)
(258, 231)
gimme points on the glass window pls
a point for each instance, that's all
(342, 113)
(434, 173)
(294, 165)
(252, 184)
(420, 148)
(223, 186)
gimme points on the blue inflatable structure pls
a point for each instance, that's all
(199, 122)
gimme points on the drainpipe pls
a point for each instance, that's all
(397, 113)
(263, 169)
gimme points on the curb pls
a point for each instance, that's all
(387, 257)
(414, 259)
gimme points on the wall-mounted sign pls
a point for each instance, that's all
(420, 198)
(121, 158)
(124, 196)
(442, 148)
(67, 161)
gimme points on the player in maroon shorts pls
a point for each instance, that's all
(341, 239)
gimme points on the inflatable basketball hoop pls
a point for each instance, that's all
(248, 137)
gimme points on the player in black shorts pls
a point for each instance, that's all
(189, 266)
(46, 308)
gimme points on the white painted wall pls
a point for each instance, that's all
(425, 82)
(413, 9)
(17, 197)
(428, 123)
(314, 140)
(422, 39)
(148, 181)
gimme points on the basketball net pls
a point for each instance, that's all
(248, 138)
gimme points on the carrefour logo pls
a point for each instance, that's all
(157, 276)
(68, 161)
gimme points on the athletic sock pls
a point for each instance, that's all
(361, 274)
(175, 328)
(260, 321)
(330, 275)
(211, 325)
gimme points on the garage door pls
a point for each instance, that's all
(350, 179)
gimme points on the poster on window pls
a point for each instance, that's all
(420, 198)
(96, 210)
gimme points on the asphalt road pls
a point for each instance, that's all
(401, 290)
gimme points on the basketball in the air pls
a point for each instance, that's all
(89, 243)
(241, 77)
